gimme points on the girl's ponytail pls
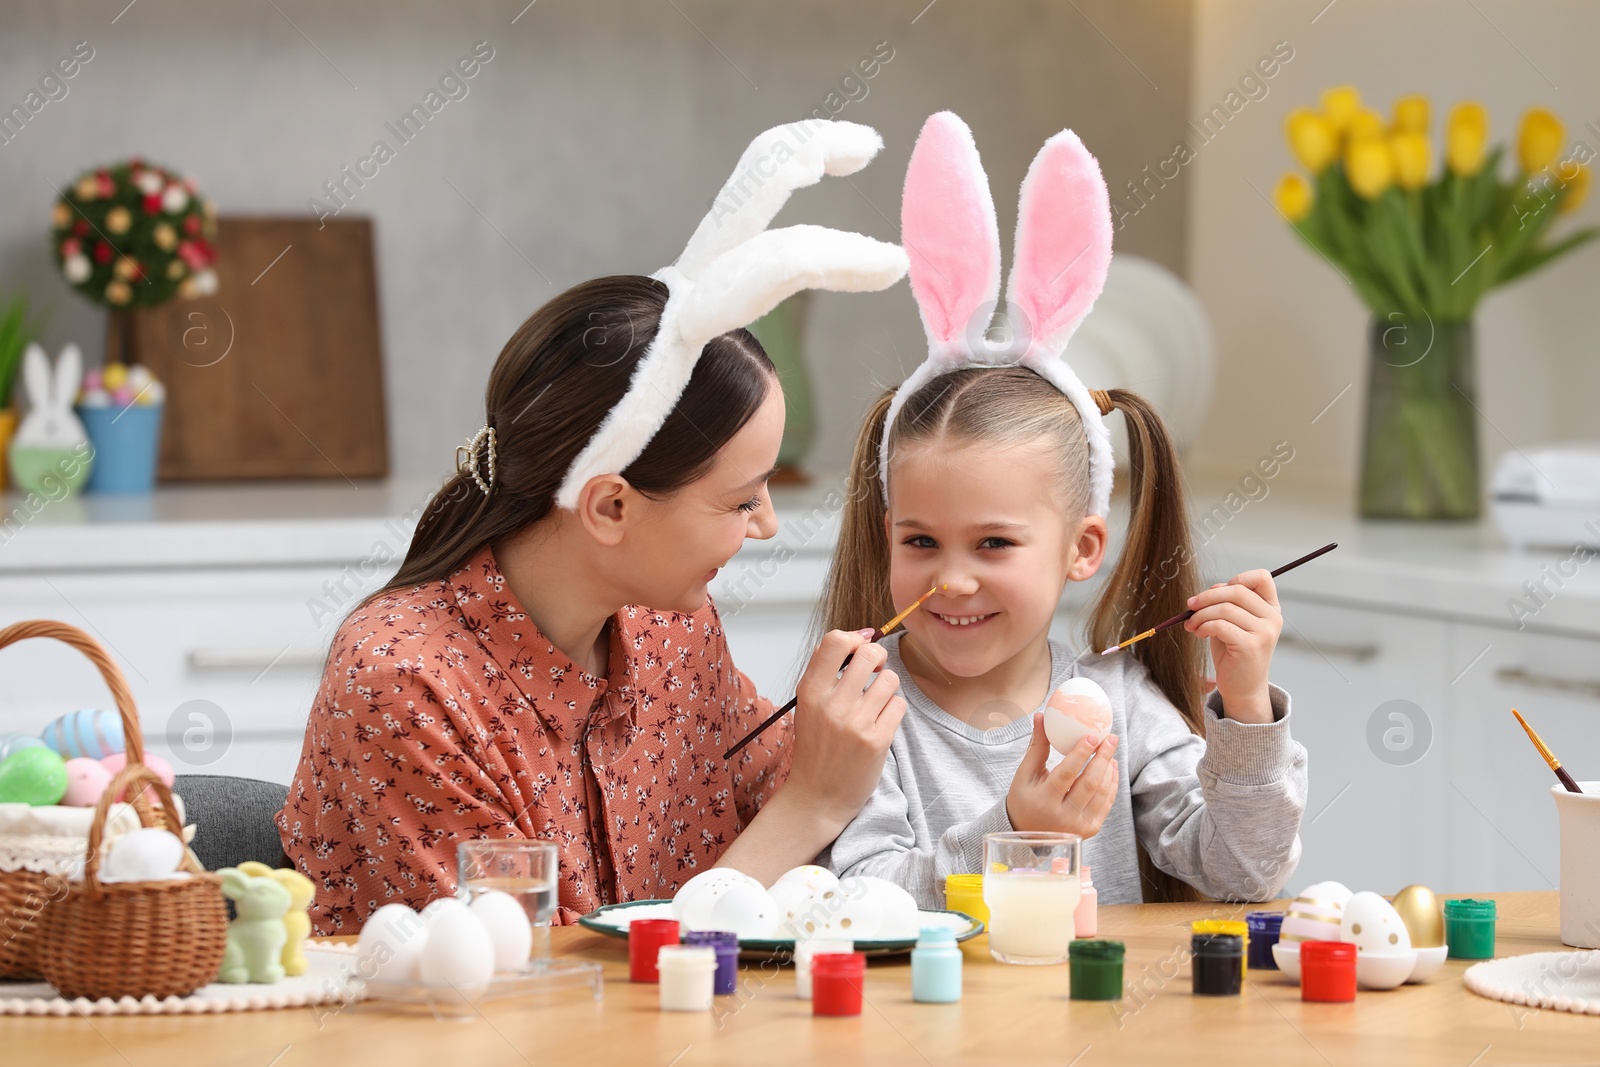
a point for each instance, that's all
(857, 593)
(1155, 575)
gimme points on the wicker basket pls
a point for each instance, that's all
(25, 893)
(134, 939)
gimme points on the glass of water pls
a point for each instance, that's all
(527, 870)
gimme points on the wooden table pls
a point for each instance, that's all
(1008, 1013)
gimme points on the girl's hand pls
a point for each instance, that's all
(843, 724)
(1242, 620)
(1072, 799)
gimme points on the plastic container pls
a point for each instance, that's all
(726, 944)
(836, 981)
(1237, 927)
(1096, 969)
(964, 893)
(1218, 964)
(807, 951)
(127, 443)
(936, 967)
(1086, 919)
(1264, 927)
(688, 975)
(1469, 929)
(1327, 971)
(646, 938)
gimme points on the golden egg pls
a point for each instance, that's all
(1423, 915)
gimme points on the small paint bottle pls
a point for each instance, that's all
(1086, 919)
(646, 938)
(1095, 969)
(1327, 971)
(726, 945)
(1264, 927)
(1469, 929)
(806, 952)
(1218, 964)
(836, 981)
(936, 967)
(688, 973)
(1236, 927)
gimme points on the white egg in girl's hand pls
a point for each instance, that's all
(508, 927)
(458, 952)
(390, 946)
(1077, 708)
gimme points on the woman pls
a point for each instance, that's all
(506, 683)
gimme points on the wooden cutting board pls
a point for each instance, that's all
(279, 373)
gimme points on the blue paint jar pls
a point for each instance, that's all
(1264, 927)
(726, 944)
(936, 967)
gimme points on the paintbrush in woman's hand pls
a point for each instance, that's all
(877, 635)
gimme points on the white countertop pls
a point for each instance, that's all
(1446, 570)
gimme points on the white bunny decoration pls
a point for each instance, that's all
(50, 450)
(1062, 254)
(734, 270)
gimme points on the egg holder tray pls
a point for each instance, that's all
(29, 890)
(612, 920)
(541, 980)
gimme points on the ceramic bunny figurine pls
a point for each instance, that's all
(50, 453)
(296, 922)
(256, 938)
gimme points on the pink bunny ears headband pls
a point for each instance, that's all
(733, 271)
(1063, 250)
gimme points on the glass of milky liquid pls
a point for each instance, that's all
(525, 869)
(1031, 888)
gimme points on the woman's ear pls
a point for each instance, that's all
(607, 506)
(1090, 548)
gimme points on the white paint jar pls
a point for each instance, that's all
(687, 976)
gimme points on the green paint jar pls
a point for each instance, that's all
(1095, 969)
(1469, 929)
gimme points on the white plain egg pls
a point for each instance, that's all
(1373, 926)
(142, 855)
(458, 951)
(507, 925)
(715, 877)
(390, 945)
(1077, 708)
(443, 906)
(897, 909)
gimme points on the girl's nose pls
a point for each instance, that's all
(763, 521)
(956, 582)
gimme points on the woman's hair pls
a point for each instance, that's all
(1154, 575)
(556, 379)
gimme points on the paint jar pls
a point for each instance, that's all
(688, 973)
(805, 953)
(1328, 971)
(1086, 919)
(1218, 964)
(726, 944)
(1264, 928)
(1469, 929)
(645, 939)
(1238, 928)
(1096, 969)
(936, 967)
(964, 893)
(836, 981)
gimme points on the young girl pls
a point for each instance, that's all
(993, 483)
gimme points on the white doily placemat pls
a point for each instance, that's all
(327, 980)
(1564, 981)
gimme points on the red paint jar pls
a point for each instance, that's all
(1327, 971)
(645, 938)
(836, 981)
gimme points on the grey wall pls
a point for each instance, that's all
(591, 143)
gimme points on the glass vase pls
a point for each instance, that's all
(1420, 446)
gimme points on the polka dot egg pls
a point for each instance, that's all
(1371, 924)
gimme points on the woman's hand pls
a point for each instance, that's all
(843, 723)
(1072, 798)
(1242, 620)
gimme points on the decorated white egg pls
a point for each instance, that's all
(789, 891)
(715, 880)
(1371, 924)
(390, 945)
(1077, 708)
(508, 927)
(458, 951)
(1314, 914)
(850, 910)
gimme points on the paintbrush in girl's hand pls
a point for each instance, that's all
(878, 635)
(1549, 757)
(1176, 619)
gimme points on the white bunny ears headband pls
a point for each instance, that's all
(1063, 250)
(733, 271)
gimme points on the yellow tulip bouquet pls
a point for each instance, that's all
(1422, 249)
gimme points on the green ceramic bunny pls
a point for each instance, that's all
(257, 936)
